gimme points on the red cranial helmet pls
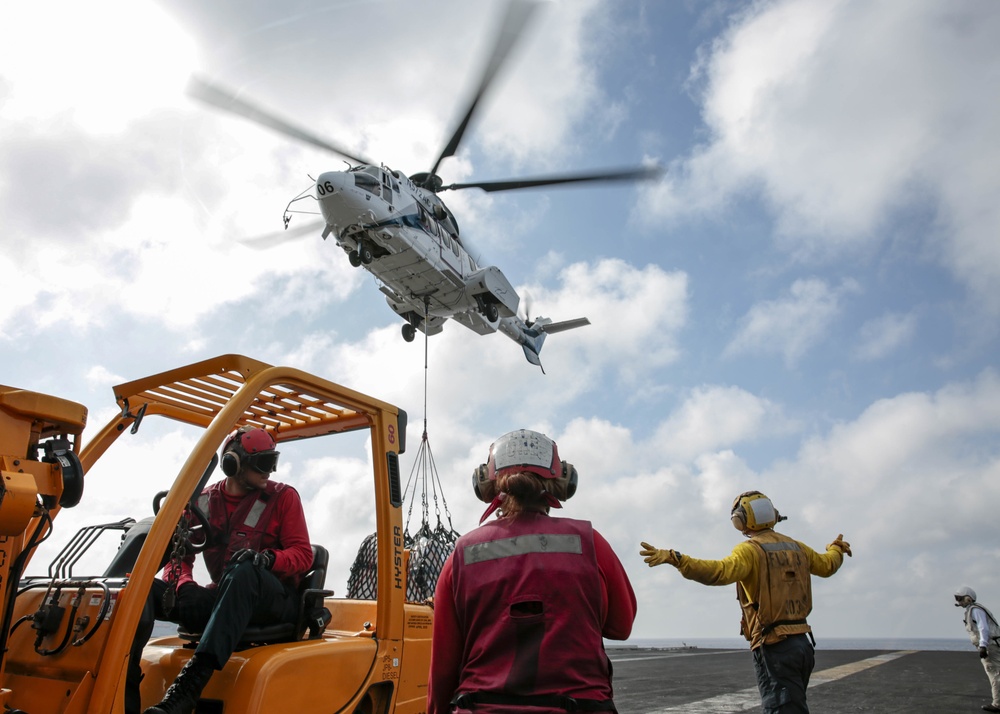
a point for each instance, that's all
(250, 447)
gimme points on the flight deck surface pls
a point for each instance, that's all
(710, 681)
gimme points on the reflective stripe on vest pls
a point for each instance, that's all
(253, 516)
(773, 547)
(522, 545)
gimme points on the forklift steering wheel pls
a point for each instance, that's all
(198, 532)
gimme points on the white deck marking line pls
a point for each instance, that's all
(747, 699)
(616, 660)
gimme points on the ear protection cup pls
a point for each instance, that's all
(739, 519)
(230, 463)
(484, 487)
(563, 486)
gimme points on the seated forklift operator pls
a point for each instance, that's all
(258, 550)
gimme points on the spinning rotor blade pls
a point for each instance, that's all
(270, 240)
(229, 102)
(638, 174)
(526, 304)
(516, 19)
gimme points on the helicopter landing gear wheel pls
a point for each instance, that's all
(409, 332)
(365, 254)
(354, 258)
(491, 312)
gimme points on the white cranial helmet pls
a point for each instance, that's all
(965, 591)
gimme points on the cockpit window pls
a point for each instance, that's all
(362, 179)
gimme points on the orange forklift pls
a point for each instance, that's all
(66, 636)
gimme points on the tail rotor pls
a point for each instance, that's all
(534, 331)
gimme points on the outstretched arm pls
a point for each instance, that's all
(738, 565)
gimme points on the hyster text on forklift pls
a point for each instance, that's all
(66, 636)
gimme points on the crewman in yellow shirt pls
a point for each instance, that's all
(773, 585)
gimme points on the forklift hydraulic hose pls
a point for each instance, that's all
(16, 569)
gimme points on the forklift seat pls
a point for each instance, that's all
(313, 615)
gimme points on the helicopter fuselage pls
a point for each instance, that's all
(399, 229)
(408, 239)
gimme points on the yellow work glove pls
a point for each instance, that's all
(842, 545)
(654, 556)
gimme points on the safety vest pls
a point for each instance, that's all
(249, 526)
(528, 595)
(970, 625)
(784, 591)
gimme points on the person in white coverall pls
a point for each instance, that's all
(984, 632)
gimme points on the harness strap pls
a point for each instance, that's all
(768, 629)
(468, 700)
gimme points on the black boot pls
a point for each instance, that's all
(184, 692)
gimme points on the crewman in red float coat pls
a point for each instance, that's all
(522, 604)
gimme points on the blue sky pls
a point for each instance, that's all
(805, 303)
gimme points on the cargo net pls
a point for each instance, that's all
(429, 547)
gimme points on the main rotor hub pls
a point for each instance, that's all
(428, 181)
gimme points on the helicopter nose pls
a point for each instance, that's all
(331, 182)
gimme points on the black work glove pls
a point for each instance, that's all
(983, 653)
(188, 609)
(260, 558)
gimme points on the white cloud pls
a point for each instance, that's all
(100, 376)
(714, 417)
(881, 336)
(79, 67)
(635, 314)
(908, 442)
(792, 325)
(721, 476)
(839, 114)
(535, 115)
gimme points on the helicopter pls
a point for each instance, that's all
(397, 227)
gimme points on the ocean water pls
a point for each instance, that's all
(824, 643)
